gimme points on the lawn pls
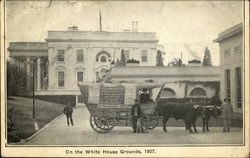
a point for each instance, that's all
(23, 123)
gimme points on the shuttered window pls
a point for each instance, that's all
(79, 56)
(238, 87)
(80, 76)
(227, 83)
(144, 56)
(61, 79)
(60, 55)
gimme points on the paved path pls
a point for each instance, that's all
(58, 133)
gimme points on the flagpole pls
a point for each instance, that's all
(100, 19)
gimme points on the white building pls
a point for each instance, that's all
(231, 61)
(71, 56)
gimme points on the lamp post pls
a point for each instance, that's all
(33, 91)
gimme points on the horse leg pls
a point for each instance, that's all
(207, 125)
(165, 119)
(189, 126)
(203, 124)
(194, 125)
(186, 125)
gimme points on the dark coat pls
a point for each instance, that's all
(133, 111)
(227, 110)
(68, 110)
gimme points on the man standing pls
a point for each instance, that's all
(136, 114)
(227, 113)
(68, 112)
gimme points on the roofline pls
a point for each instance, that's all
(103, 32)
(99, 40)
(28, 42)
(110, 76)
(236, 30)
(28, 50)
(168, 67)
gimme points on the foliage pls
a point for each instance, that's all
(133, 61)
(123, 59)
(16, 79)
(176, 62)
(10, 118)
(23, 121)
(215, 100)
(207, 58)
(159, 59)
(117, 63)
(194, 61)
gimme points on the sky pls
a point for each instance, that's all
(180, 26)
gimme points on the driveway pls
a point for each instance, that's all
(58, 133)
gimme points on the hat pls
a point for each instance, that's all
(227, 99)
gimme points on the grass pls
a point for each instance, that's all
(22, 112)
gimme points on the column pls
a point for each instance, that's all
(28, 73)
(38, 78)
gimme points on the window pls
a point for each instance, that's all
(198, 92)
(227, 52)
(144, 57)
(61, 79)
(103, 53)
(227, 84)
(238, 87)
(79, 76)
(79, 57)
(126, 53)
(168, 92)
(60, 55)
(98, 77)
(80, 98)
(103, 58)
(237, 49)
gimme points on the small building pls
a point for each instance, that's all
(231, 62)
(181, 82)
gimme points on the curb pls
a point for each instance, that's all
(36, 133)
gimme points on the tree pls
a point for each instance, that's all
(159, 59)
(117, 63)
(176, 62)
(207, 58)
(16, 79)
(123, 59)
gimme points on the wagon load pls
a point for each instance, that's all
(108, 95)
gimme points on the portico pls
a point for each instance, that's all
(32, 57)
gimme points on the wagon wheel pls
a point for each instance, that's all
(145, 121)
(102, 121)
(153, 121)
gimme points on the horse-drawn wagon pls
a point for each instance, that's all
(110, 104)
